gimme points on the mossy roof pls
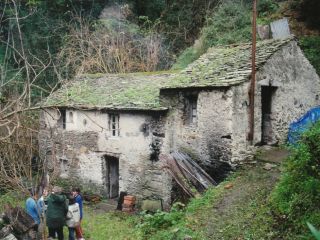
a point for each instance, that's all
(219, 67)
(225, 66)
(132, 91)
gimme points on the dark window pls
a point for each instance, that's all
(191, 109)
(114, 124)
(62, 119)
(71, 117)
(64, 166)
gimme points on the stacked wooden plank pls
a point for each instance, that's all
(187, 173)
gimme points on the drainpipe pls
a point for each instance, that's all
(253, 72)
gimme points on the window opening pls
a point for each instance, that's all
(64, 165)
(71, 117)
(191, 109)
(114, 124)
(62, 119)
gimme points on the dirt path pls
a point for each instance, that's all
(242, 211)
(104, 206)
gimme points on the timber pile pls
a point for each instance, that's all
(19, 224)
(187, 173)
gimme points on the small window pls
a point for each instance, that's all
(114, 124)
(64, 165)
(191, 109)
(71, 117)
(62, 119)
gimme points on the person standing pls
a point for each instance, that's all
(42, 207)
(77, 196)
(73, 217)
(32, 208)
(57, 210)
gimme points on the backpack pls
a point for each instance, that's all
(73, 215)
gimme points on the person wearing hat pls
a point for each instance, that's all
(57, 210)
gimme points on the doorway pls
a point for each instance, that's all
(267, 93)
(111, 174)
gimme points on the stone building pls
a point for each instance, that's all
(109, 130)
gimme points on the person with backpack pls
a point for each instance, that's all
(73, 217)
(77, 196)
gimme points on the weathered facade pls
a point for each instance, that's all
(109, 130)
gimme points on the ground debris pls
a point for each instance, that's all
(93, 198)
(19, 223)
(269, 166)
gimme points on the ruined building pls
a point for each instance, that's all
(111, 130)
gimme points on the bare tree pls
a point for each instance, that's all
(112, 46)
(20, 167)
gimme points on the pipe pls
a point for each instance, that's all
(253, 72)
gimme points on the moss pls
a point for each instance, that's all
(224, 66)
(134, 90)
(218, 67)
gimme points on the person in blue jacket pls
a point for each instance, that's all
(32, 207)
(77, 196)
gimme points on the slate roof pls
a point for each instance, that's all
(225, 66)
(219, 67)
(134, 91)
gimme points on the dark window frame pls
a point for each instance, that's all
(191, 109)
(62, 121)
(114, 124)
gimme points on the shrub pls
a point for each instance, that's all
(266, 7)
(230, 23)
(311, 47)
(151, 223)
(297, 195)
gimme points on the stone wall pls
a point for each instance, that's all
(296, 90)
(80, 149)
(207, 140)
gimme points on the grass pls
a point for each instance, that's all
(236, 209)
(115, 226)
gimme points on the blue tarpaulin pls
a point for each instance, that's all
(302, 124)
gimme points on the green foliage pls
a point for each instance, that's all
(308, 11)
(150, 9)
(43, 25)
(296, 197)
(12, 198)
(189, 55)
(100, 225)
(311, 47)
(230, 23)
(266, 7)
(182, 20)
(314, 231)
(151, 223)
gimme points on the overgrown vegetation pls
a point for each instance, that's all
(296, 197)
(311, 48)
(230, 23)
